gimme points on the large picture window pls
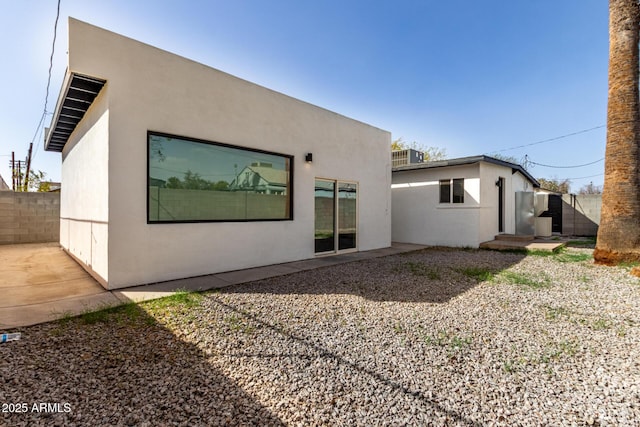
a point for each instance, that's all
(194, 181)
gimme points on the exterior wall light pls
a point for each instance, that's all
(308, 157)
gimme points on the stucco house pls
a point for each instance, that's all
(260, 178)
(459, 202)
(155, 152)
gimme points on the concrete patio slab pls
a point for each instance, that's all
(32, 314)
(164, 289)
(259, 273)
(39, 282)
(47, 292)
(36, 263)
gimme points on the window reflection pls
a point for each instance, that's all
(324, 216)
(203, 181)
(347, 205)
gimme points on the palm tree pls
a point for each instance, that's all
(619, 232)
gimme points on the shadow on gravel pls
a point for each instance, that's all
(117, 367)
(317, 351)
(433, 275)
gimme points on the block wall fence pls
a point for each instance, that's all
(29, 217)
(581, 214)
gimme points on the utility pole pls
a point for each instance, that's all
(26, 177)
(19, 176)
(13, 171)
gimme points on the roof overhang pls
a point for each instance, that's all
(467, 161)
(77, 94)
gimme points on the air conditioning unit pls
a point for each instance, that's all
(406, 157)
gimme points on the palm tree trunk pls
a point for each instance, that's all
(619, 231)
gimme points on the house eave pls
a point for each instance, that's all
(468, 161)
(76, 96)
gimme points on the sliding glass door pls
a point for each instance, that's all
(325, 234)
(336, 214)
(347, 219)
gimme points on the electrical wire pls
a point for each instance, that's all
(53, 49)
(564, 167)
(35, 135)
(46, 98)
(549, 140)
(585, 177)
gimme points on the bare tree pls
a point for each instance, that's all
(590, 188)
(555, 184)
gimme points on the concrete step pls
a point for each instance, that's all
(537, 245)
(514, 238)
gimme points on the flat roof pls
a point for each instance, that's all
(468, 161)
(77, 94)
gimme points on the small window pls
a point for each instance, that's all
(446, 188)
(458, 190)
(445, 191)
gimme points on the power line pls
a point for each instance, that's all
(585, 177)
(53, 49)
(46, 97)
(35, 135)
(40, 138)
(550, 139)
(564, 167)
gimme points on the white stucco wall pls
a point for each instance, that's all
(514, 182)
(418, 217)
(84, 198)
(150, 89)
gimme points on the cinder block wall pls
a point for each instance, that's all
(29, 217)
(582, 219)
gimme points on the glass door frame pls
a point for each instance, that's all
(336, 217)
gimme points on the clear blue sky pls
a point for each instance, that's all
(468, 76)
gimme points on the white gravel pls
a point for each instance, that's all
(416, 339)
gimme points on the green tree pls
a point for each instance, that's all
(174, 182)
(221, 186)
(193, 181)
(37, 181)
(554, 184)
(431, 154)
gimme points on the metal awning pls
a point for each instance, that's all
(79, 93)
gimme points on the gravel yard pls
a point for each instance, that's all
(434, 337)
